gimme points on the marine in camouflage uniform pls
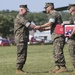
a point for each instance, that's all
(58, 39)
(21, 32)
(58, 42)
(71, 41)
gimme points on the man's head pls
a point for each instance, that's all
(71, 8)
(23, 9)
(48, 7)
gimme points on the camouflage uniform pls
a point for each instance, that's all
(71, 42)
(21, 38)
(58, 40)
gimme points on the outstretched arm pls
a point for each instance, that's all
(48, 24)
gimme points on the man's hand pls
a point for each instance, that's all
(66, 22)
(37, 27)
(47, 28)
(70, 35)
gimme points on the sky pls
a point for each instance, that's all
(33, 5)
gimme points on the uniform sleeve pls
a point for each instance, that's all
(52, 18)
(24, 22)
(71, 20)
(55, 17)
(27, 24)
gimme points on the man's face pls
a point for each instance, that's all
(48, 9)
(23, 11)
(71, 10)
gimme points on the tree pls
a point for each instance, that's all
(65, 16)
(7, 20)
(38, 18)
(6, 25)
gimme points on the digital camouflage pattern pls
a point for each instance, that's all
(71, 48)
(58, 40)
(20, 30)
(21, 39)
(58, 54)
(71, 42)
(72, 21)
(58, 20)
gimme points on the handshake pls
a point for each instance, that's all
(40, 28)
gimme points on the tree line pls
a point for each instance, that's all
(7, 20)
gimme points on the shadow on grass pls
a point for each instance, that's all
(39, 72)
(69, 71)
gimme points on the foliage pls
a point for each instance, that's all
(6, 25)
(38, 18)
(7, 20)
(65, 16)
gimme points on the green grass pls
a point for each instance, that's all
(39, 60)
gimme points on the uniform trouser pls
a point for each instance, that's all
(21, 55)
(71, 48)
(58, 46)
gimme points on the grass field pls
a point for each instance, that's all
(39, 61)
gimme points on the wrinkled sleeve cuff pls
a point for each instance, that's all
(51, 20)
(27, 24)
